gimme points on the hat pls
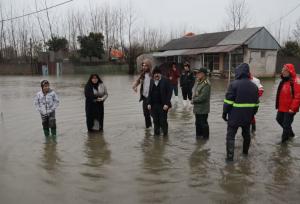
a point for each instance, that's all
(186, 64)
(156, 70)
(203, 70)
(44, 82)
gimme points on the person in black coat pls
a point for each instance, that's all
(159, 101)
(187, 81)
(95, 95)
(240, 105)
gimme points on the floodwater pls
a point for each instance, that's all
(126, 163)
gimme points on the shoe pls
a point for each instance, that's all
(229, 158)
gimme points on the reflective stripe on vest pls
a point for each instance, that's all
(241, 105)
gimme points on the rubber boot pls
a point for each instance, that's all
(53, 134)
(230, 150)
(246, 145)
(284, 138)
(206, 132)
(47, 134)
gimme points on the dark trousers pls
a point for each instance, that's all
(160, 119)
(101, 115)
(147, 115)
(202, 127)
(96, 113)
(230, 139)
(175, 89)
(49, 123)
(285, 120)
(186, 93)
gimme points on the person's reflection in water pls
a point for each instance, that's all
(50, 159)
(96, 150)
(236, 181)
(282, 162)
(199, 164)
(153, 149)
(154, 180)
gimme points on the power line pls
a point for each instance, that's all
(287, 14)
(45, 9)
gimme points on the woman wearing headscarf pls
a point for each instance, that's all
(95, 95)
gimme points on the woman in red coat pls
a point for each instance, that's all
(287, 100)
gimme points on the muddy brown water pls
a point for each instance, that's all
(126, 163)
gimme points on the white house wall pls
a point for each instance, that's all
(261, 66)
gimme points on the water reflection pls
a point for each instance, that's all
(282, 162)
(236, 180)
(51, 159)
(199, 159)
(153, 149)
(97, 154)
(199, 164)
(96, 150)
(154, 181)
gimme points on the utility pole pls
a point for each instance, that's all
(31, 67)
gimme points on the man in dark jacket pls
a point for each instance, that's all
(159, 101)
(241, 104)
(187, 81)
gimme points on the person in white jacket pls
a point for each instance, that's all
(260, 87)
(46, 102)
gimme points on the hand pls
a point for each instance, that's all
(290, 111)
(166, 107)
(224, 116)
(170, 78)
(149, 107)
(134, 89)
(99, 99)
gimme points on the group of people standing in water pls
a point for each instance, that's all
(241, 101)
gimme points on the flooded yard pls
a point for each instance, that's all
(126, 163)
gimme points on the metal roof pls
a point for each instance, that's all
(221, 49)
(169, 53)
(197, 41)
(239, 37)
(215, 49)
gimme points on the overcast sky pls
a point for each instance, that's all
(196, 15)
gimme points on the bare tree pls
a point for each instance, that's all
(39, 22)
(48, 18)
(1, 34)
(237, 15)
(130, 20)
(72, 31)
(296, 31)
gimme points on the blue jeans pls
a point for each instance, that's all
(175, 89)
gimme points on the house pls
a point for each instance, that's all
(221, 52)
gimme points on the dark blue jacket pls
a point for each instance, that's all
(165, 91)
(241, 100)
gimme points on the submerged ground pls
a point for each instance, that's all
(126, 163)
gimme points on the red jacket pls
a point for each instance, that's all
(174, 76)
(288, 93)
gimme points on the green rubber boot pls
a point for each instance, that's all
(47, 134)
(53, 133)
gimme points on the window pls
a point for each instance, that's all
(263, 54)
(212, 62)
